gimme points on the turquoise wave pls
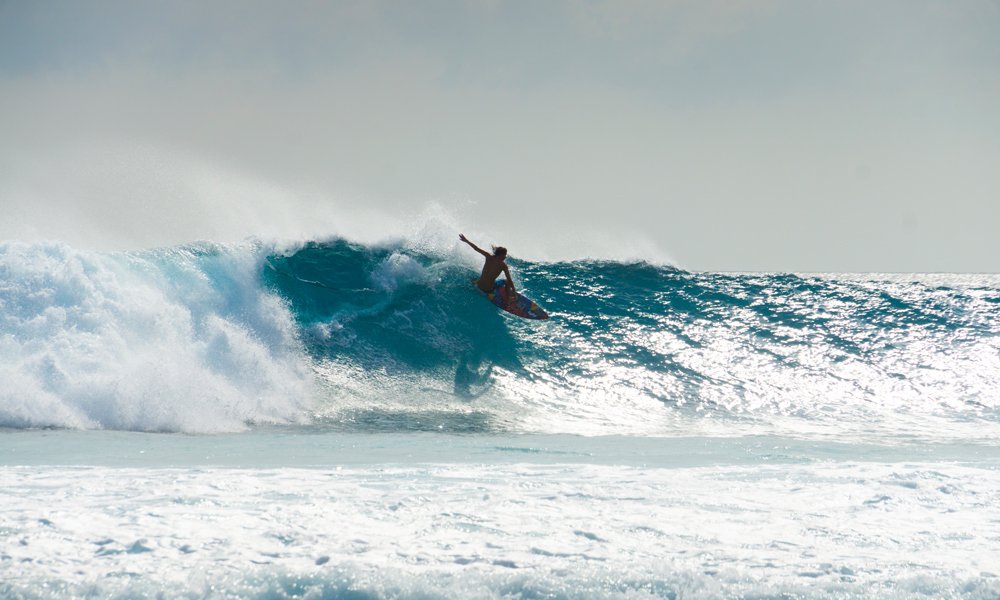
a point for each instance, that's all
(210, 337)
(629, 338)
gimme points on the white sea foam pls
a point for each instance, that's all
(183, 339)
(397, 270)
(528, 526)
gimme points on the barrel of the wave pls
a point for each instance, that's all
(515, 303)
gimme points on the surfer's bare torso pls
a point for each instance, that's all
(492, 268)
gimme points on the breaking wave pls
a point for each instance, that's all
(209, 337)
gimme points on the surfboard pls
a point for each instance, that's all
(515, 303)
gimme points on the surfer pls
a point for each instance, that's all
(492, 268)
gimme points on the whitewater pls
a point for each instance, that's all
(336, 419)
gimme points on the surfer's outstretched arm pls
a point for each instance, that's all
(462, 237)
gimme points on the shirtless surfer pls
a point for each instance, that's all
(492, 268)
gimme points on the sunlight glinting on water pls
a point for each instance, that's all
(855, 355)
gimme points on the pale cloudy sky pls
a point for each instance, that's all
(788, 135)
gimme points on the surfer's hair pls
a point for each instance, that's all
(499, 251)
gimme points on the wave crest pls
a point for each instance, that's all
(180, 339)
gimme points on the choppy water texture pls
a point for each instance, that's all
(340, 420)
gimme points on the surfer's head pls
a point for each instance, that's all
(500, 252)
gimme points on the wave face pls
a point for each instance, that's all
(394, 337)
(403, 341)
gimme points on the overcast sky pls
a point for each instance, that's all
(784, 135)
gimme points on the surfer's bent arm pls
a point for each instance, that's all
(510, 280)
(462, 237)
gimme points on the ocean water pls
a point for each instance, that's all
(338, 420)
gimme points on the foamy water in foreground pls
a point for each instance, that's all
(326, 514)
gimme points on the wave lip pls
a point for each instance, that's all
(178, 339)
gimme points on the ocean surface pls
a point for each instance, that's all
(338, 420)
